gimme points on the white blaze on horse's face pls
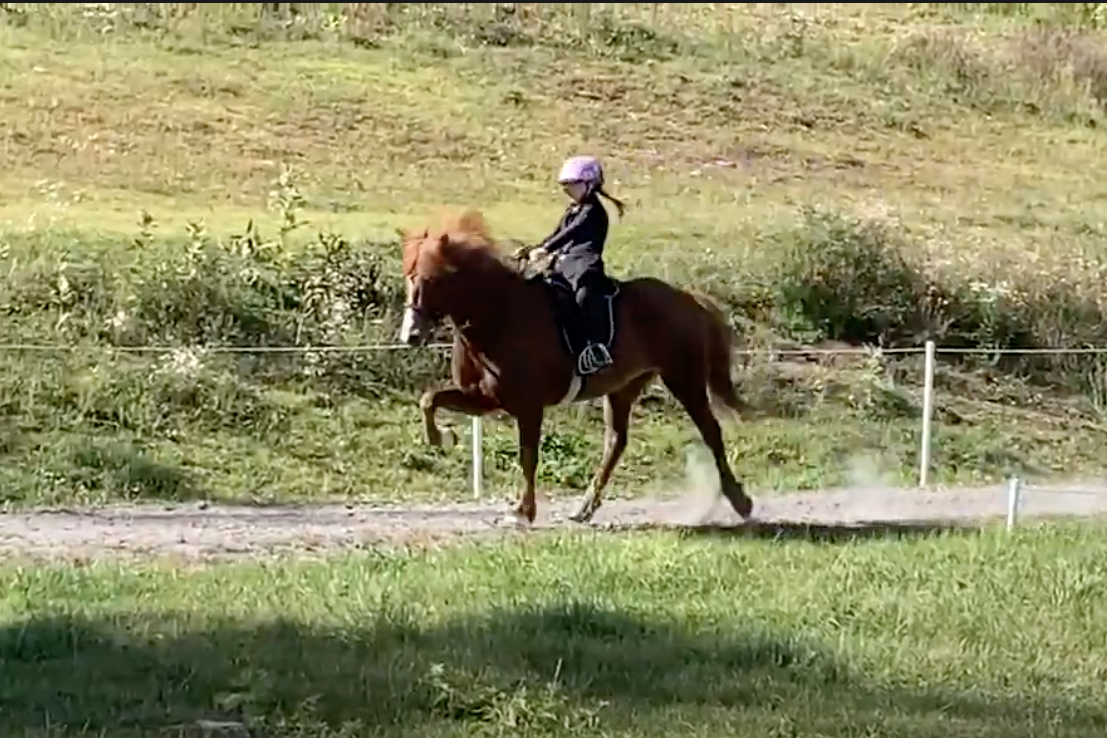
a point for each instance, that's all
(410, 328)
(408, 334)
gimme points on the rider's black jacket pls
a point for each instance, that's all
(579, 238)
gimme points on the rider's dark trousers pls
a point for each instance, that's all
(589, 285)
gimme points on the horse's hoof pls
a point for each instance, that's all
(586, 510)
(513, 520)
(744, 508)
(448, 438)
(526, 512)
(739, 500)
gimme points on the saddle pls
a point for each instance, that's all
(576, 333)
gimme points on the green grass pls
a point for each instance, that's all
(863, 174)
(982, 635)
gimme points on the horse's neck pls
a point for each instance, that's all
(487, 317)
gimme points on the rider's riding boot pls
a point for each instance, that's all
(595, 355)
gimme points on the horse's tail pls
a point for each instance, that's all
(719, 353)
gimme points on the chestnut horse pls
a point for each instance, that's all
(509, 354)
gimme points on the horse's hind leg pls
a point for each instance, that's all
(450, 398)
(616, 416)
(690, 390)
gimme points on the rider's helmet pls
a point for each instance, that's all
(584, 169)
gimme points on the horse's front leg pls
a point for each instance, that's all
(530, 439)
(451, 398)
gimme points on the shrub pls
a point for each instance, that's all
(863, 281)
(184, 297)
(847, 279)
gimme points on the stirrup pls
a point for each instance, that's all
(594, 357)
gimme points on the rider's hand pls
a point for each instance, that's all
(522, 252)
(538, 254)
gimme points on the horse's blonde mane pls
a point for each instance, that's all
(459, 240)
(467, 241)
(468, 230)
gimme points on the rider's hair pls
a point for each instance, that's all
(619, 204)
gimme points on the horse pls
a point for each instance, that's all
(513, 350)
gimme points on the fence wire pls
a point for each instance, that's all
(371, 348)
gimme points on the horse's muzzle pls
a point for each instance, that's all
(415, 338)
(412, 329)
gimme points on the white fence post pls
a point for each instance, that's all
(1014, 490)
(927, 413)
(478, 456)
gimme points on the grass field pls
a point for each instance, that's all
(192, 176)
(957, 635)
(832, 173)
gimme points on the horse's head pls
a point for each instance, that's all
(442, 269)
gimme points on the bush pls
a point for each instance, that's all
(863, 281)
(186, 296)
(847, 279)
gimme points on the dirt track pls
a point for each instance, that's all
(205, 531)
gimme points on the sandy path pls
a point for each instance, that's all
(204, 531)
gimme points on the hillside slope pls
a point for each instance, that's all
(833, 173)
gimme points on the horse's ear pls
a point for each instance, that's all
(448, 253)
(412, 234)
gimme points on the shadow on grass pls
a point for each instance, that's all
(829, 533)
(834, 533)
(553, 670)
